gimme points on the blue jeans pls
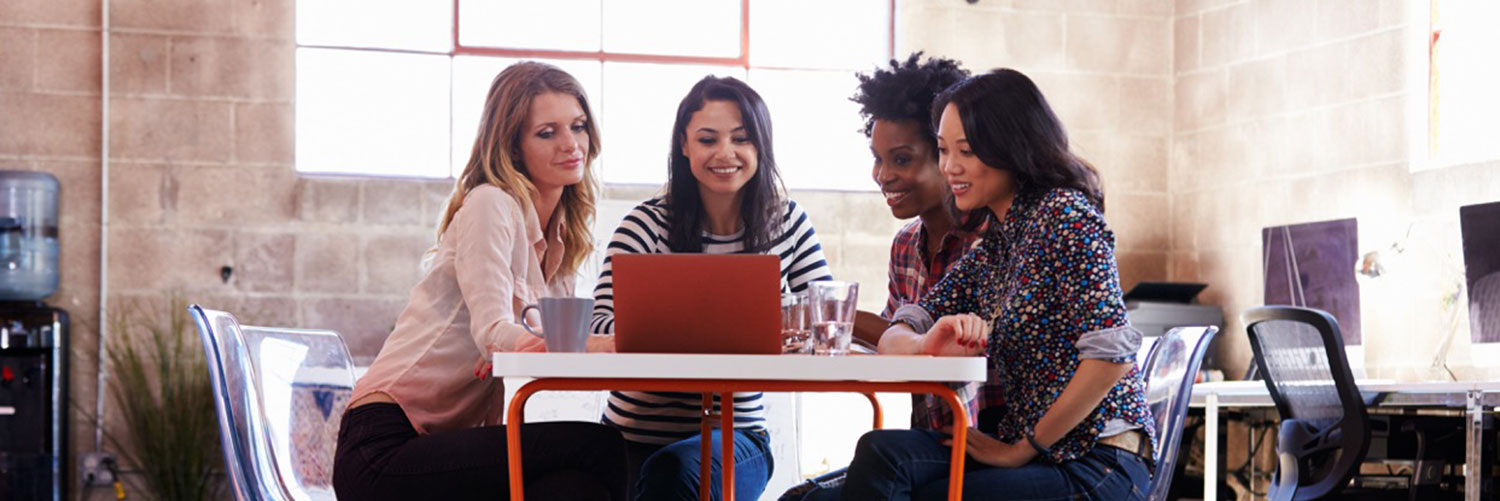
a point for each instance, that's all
(913, 464)
(666, 472)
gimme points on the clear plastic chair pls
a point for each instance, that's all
(1325, 429)
(280, 395)
(1170, 369)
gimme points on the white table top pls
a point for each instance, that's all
(1253, 393)
(1373, 385)
(740, 367)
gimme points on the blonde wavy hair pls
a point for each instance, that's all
(496, 157)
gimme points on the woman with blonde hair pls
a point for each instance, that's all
(425, 421)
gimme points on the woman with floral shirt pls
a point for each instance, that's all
(1040, 297)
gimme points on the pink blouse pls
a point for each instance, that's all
(492, 260)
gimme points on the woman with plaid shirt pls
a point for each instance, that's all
(895, 103)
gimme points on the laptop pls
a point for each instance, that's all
(697, 303)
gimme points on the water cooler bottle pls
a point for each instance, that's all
(33, 342)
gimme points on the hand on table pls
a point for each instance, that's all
(524, 344)
(601, 344)
(957, 335)
(530, 344)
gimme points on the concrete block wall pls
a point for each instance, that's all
(49, 122)
(1289, 112)
(1106, 68)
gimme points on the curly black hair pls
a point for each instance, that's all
(905, 91)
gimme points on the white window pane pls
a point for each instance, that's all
(528, 24)
(376, 113)
(386, 24)
(1467, 102)
(639, 105)
(818, 140)
(471, 85)
(709, 28)
(848, 34)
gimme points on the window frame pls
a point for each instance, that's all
(602, 56)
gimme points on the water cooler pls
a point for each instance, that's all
(33, 342)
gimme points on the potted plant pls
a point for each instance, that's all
(160, 384)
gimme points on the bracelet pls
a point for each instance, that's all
(1040, 450)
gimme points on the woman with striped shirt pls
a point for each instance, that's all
(723, 196)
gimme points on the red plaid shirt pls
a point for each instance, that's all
(912, 273)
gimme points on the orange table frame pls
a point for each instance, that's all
(725, 387)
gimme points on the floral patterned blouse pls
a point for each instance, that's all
(1045, 278)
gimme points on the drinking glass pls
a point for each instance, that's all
(833, 305)
(796, 324)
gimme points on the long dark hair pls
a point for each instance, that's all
(1011, 127)
(761, 203)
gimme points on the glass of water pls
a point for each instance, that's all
(796, 323)
(833, 304)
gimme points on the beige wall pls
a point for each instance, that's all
(1106, 68)
(1289, 111)
(49, 122)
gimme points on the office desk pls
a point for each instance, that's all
(1472, 396)
(725, 374)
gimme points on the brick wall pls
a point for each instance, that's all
(49, 122)
(1287, 112)
(1106, 68)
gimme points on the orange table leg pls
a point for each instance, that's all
(705, 475)
(726, 434)
(515, 413)
(960, 434)
(514, 416)
(875, 405)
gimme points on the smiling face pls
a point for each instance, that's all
(906, 168)
(974, 184)
(555, 141)
(719, 150)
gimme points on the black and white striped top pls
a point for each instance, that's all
(666, 417)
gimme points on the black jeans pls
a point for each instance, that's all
(381, 456)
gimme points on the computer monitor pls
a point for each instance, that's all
(1481, 236)
(1312, 265)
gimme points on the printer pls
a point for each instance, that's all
(1156, 307)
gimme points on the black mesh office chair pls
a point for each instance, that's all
(1325, 429)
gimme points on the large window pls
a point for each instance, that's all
(1462, 98)
(394, 87)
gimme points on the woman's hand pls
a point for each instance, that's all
(530, 344)
(601, 344)
(957, 335)
(988, 450)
